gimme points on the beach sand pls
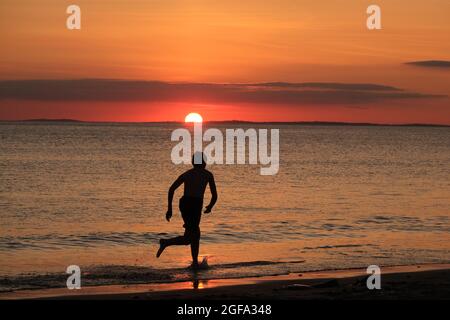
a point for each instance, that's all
(428, 281)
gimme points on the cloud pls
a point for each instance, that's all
(157, 91)
(431, 63)
(329, 85)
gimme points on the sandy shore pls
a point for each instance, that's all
(428, 281)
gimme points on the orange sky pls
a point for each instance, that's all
(229, 42)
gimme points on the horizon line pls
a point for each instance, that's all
(238, 121)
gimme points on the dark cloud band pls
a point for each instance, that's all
(431, 63)
(156, 91)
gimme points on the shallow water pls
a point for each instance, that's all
(94, 195)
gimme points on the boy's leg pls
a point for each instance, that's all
(195, 246)
(176, 241)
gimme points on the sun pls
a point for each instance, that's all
(193, 117)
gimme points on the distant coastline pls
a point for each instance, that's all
(305, 123)
(48, 120)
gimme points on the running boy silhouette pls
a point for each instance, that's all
(191, 203)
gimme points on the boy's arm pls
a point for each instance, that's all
(172, 189)
(212, 187)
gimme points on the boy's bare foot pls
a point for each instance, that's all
(162, 246)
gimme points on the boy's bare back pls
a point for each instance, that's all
(195, 182)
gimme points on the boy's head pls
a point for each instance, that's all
(199, 160)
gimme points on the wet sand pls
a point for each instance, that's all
(428, 281)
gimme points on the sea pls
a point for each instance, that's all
(95, 195)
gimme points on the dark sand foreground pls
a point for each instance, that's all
(429, 281)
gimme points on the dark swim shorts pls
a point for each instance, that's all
(191, 211)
